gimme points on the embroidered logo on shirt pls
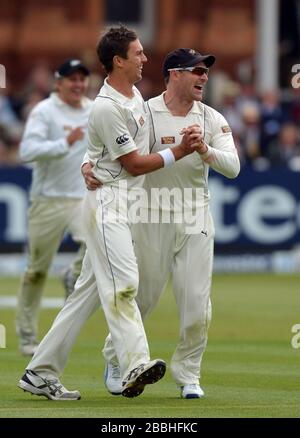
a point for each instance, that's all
(123, 139)
(141, 121)
(167, 140)
(226, 129)
(67, 128)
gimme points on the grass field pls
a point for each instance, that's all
(249, 369)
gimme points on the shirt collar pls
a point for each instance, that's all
(158, 104)
(108, 90)
(85, 101)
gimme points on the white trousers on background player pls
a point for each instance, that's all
(162, 249)
(110, 276)
(48, 220)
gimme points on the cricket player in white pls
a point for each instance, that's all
(117, 146)
(55, 141)
(182, 249)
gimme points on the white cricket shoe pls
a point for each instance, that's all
(50, 388)
(28, 349)
(112, 378)
(144, 374)
(191, 391)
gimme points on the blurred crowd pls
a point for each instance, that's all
(265, 127)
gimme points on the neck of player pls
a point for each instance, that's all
(121, 84)
(177, 105)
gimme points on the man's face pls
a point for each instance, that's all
(191, 83)
(133, 65)
(72, 88)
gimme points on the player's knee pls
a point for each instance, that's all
(127, 293)
(34, 277)
(201, 314)
(203, 320)
(199, 323)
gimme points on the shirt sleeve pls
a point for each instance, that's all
(222, 155)
(152, 138)
(35, 144)
(112, 130)
(85, 159)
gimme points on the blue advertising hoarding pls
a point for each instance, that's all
(258, 211)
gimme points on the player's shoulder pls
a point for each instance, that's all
(105, 110)
(43, 104)
(216, 121)
(41, 109)
(212, 114)
(156, 103)
(104, 103)
(87, 102)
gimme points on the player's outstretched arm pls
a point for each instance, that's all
(137, 164)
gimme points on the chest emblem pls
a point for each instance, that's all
(67, 128)
(168, 140)
(141, 121)
(226, 129)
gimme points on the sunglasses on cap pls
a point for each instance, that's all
(199, 71)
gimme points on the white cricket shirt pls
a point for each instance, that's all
(192, 170)
(117, 125)
(57, 166)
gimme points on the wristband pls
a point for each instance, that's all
(168, 157)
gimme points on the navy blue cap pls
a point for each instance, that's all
(185, 58)
(69, 67)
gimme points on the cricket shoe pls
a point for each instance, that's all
(191, 391)
(112, 379)
(144, 374)
(50, 388)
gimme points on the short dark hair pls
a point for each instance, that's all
(114, 42)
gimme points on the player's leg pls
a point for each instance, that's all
(45, 228)
(75, 227)
(154, 252)
(192, 284)
(43, 371)
(53, 351)
(110, 247)
(114, 264)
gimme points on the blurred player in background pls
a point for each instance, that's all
(178, 247)
(55, 141)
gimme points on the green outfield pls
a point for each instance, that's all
(249, 370)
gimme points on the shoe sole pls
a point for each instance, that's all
(190, 396)
(148, 377)
(36, 391)
(114, 393)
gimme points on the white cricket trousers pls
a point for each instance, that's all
(110, 276)
(48, 220)
(164, 249)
